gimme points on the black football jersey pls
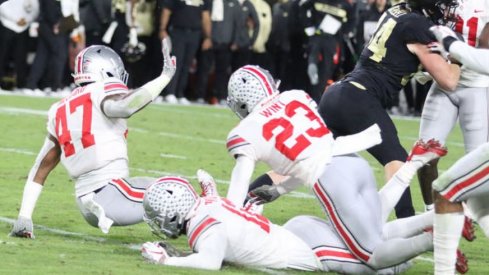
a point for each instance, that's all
(386, 64)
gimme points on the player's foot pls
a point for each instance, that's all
(462, 264)
(425, 152)
(469, 231)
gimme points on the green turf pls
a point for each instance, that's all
(197, 133)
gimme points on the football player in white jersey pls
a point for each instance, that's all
(467, 103)
(284, 130)
(218, 232)
(87, 133)
(467, 179)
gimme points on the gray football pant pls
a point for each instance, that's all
(121, 200)
(347, 192)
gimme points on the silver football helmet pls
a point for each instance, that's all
(96, 63)
(166, 205)
(248, 86)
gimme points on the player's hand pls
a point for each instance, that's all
(23, 228)
(444, 35)
(153, 252)
(169, 62)
(422, 77)
(207, 183)
(436, 47)
(263, 194)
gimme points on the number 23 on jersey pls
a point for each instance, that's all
(313, 127)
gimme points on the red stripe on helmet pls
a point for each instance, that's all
(262, 77)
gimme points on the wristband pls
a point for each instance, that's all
(447, 42)
(32, 191)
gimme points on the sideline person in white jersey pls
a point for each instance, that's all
(467, 179)
(218, 232)
(87, 132)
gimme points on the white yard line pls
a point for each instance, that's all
(12, 110)
(17, 151)
(171, 156)
(193, 138)
(58, 231)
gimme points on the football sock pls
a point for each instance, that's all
(447, 230)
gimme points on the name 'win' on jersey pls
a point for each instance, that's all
(89, 140)
(386, 64)
(287, 133)
(472, 17)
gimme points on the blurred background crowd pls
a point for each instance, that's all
(307, 44)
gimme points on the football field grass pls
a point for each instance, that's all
(163, 139)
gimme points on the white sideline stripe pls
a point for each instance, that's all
(425, 259)
(12, 110)
(193, 138)
(18, 151)
(170, 156)
(58, 231)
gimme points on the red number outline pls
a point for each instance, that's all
(472, 24)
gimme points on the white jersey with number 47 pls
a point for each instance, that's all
(287, 133)
(472, 17)
(89, 140)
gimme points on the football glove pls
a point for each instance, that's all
(436, 47)
(153, 252)
(169, 62)
(23, 228)
(207, 183)
(263, 194)
(444, 35)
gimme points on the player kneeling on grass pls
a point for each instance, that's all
(87, 131)
(218, 232)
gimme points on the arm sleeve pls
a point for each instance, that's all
(211, 249)
(472, 58)
(240, 180)
(289, 185)
(129, 104)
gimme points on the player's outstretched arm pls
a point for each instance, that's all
(210, 255)
(473, 58)
(126, 105)
(240, 180)
(46, 161)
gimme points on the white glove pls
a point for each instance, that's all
(207, 183)
(312, 72)
(133, 37)
(169, 62)
(442, 32)
(436, 47)
(153, 252)
(23, 228)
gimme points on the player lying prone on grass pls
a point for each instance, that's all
(218, 232)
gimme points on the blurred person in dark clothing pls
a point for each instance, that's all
(326, 23)
(124, 23)
(226, 19)
(245, 36)
(259, 54)
(187, 23)
(16, 17)
(367, 21)
(95, 15)
(52, 45)
(278, 43)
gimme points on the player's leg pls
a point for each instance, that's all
(467, 178)
(119, 203)
(437, 120)
(474, 116)
(348, 193)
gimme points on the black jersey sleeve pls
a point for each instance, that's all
(416, 29)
